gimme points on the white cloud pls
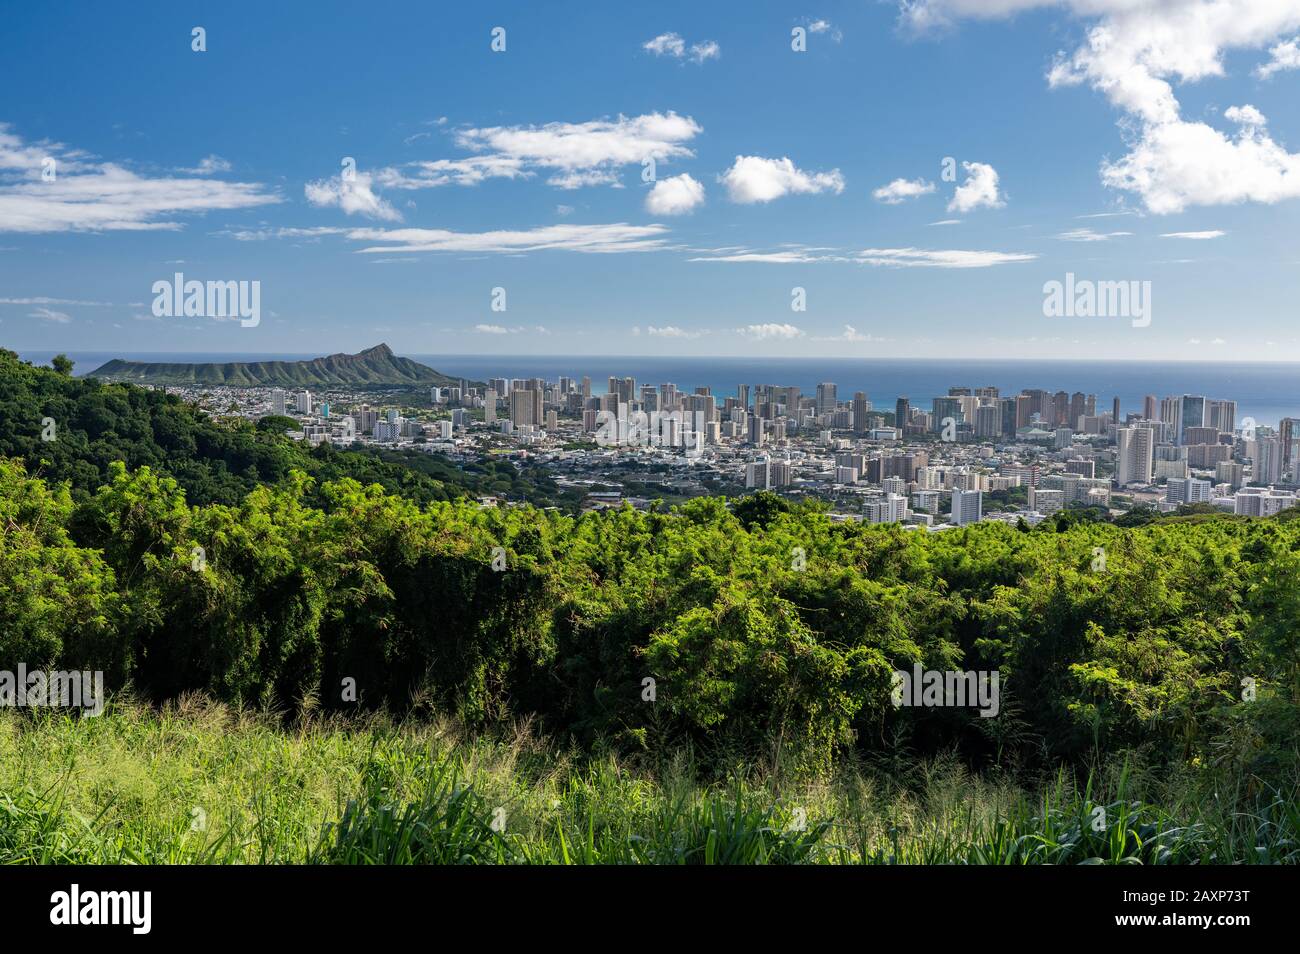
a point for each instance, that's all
(1285, 56)
(980, 190)
(672, 45)
(946, 258)
(848, 334)
(947, 222)
(209, 165)
(756, 179)
(666, 44)
(900, 190)
(1088, 235)
(672, 331)
(490, 329)
(675, 195)
(769, 331)
(58, 317)
(53, 301)
(353, 195)
(588, 153)
(618, 237)
(1135, 50)
(91, 196)
(825, 26)
(439, 172)
(796, 255)
(1201, 236)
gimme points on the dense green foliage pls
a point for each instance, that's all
(770, 632)
(374, 366)
(214, 461)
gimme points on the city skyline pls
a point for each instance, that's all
(873, 177)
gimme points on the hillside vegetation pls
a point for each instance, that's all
(723, 643)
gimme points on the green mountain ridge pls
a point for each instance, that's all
(374, 366)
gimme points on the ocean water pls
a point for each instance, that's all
(1264, 391)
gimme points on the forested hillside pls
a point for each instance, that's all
(214, 461)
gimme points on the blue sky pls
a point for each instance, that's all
(1116, 139)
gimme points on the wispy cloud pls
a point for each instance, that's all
(939, 258)
(617, 237)
(91, 196)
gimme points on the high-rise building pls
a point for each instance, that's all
(825, 397)
(902, 414)
(988, 420)
(758, 474)
(490, 406)
(1268, 461)
(1193, 415)
(304, 402)
(1187, 490)
(860, 408)
(522, 407)
(888, 508)
(1289, 438)
(946, 407)
(1221, 415)
(967, 507)
(1133, 455)
(1150, 408)
(278, 402)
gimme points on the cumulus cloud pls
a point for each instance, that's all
(86, 195)
(1285, 56)
(672, 45)
(756, 179)
(353, 194)
(980, 190)
(770, 331)
(900, 190)
(675, 195)
(672, 331)
(588, 153)
(1134, 51)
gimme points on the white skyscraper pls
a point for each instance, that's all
(1133, 455)
(967, 507)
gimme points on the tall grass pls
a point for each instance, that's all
(197, 783)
